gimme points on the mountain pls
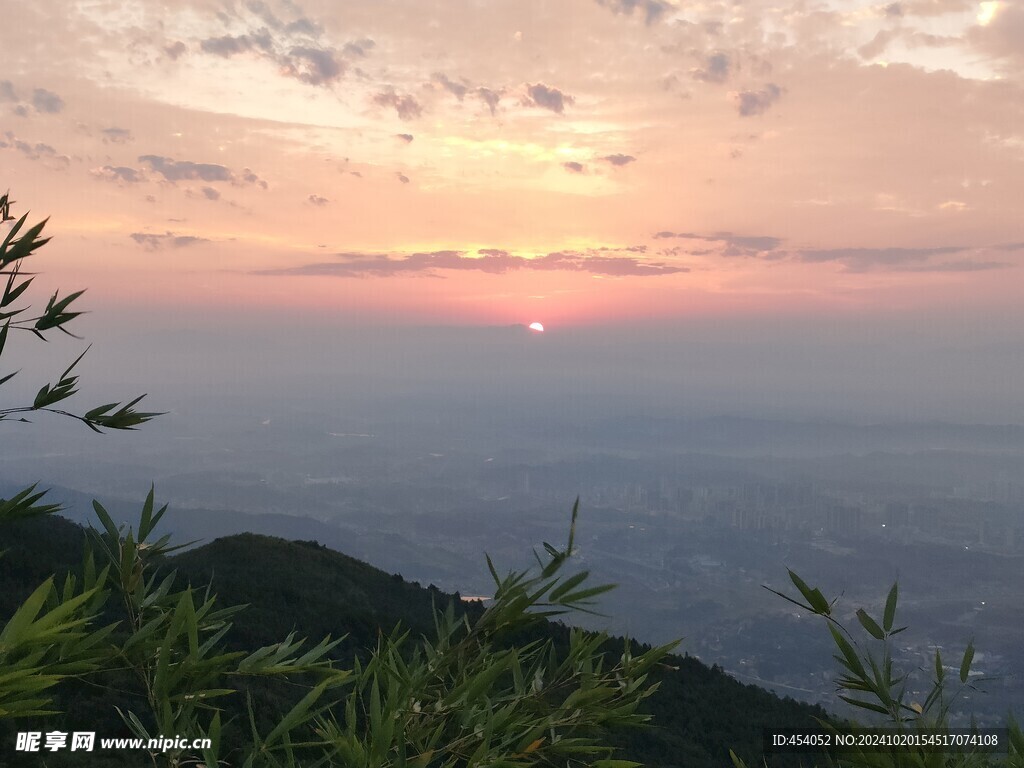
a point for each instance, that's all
(699, 711)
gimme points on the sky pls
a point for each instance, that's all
(573, 162)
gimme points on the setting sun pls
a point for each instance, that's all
(538, 327)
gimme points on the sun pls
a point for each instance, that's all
(538, 327)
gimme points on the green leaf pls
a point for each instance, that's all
(494, 572)
(300, 713)
(582, 595)
(145, 523)
(568, 585)
(868, 705)
(10, 238)
(965, 665)
(15, 250)
(12, 292)
(106, 520)
(572, 526)
(1016, 738)
(25, 504)
(870, 625)
(26, 613)
(852, 661)
(890, 608)
(813, 597)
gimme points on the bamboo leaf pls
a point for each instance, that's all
(965, 665)
(870, 625)
(890, 608)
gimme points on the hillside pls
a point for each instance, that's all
(700, 712)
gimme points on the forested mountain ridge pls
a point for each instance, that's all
(699, 712)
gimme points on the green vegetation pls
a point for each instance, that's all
(873, 681)
(129, 638)
(49, 637)
(462, 697)
(698, 713)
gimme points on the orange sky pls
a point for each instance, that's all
(572, 162)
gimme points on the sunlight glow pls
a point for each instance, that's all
(987, 11)
(538, 327)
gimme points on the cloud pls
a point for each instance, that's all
(458, 90)
(179, 170)
(47, 101)
(185, 170)
(7, 92)
(401, 177)
(544, 96)
(1002, 37)
(295, 46)
(853, 260)
(406, 137)
(37, 151)
(118, 173)
(574, 167)
(716, 68)
(652, 9)
(619, 159)
(488, 260)
(251, 178)
(230, 45)
(876, 255)
(317, 200)
(405, 106)
(488, 97)
(40, 149)
(314, 66)
(260, 9)
(358, 48)
(167, 240)
(462, 88)
(877, 45)
(308, 27)
(896, 259)
(957, 265)
(618, 266)
(732, 245)
(757, 102)
(210, 193)
(759, 243)
(116, 135)
(935, 7)
(175, 50)
(301, 25)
